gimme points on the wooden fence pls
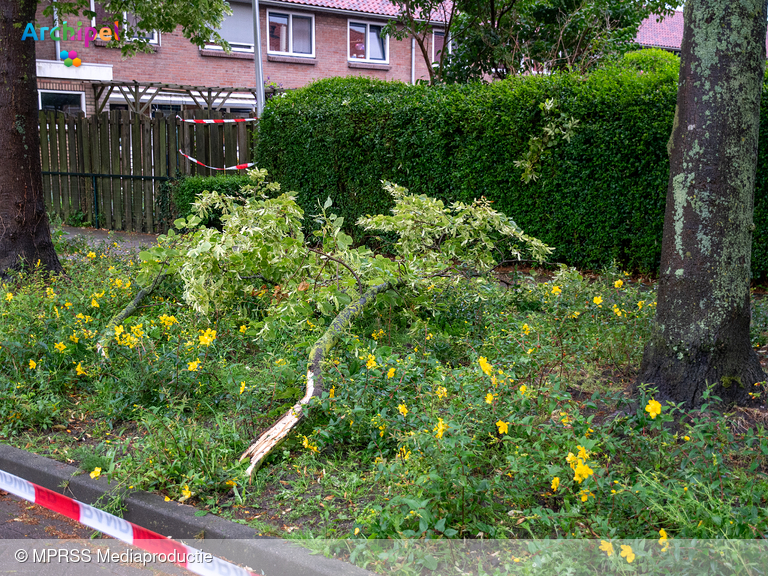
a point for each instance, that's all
(108, 169)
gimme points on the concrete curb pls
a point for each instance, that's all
(270, 556)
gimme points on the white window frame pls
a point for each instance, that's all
(155, 40)
(368, 24)
(40, 97)
(446, 42)
(211, 46)
(290, 33)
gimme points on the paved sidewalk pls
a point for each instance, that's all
(130, 242)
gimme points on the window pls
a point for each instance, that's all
(291, 34)
(67, 102)
(438, 44)
(103, 18)
(238, 28)
(366, 44)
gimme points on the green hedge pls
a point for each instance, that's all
(187, 188)
(601, 197)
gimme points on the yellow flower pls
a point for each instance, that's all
(440, 428)
(68, 304)
(585, 494)
(50, 292)
(526, 329)
(79, 369)
(503, 427)
(231, 483)
(186, 493)
(441, 392)
(60, 347)
(9, 296)
(663, 539)
(307, 444)
(402, 409)
(618, 284)
(280, 362)
(357, 531)
(582, 471)
(94, 303)
(371, 363)
(606, 547)
(597, 300)
(640, 304)
(242, 387)
(167, 499)
(653, 408)
(489, 398)
(207, 337)
(96, 473)
(523, 389)
(91, 255)
(555, 484)
(332, 392)
(119, 330)
(390, 373)
(626, 552)
(32, 364)
(556, 290)
(243, 328)
(485, 366)
(687, 438)
(192, 366)
(74, 337)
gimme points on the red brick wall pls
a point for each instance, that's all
(178, 61)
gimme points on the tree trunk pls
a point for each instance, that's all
(24, 231)
(701, 330)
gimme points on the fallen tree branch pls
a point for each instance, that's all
(270, 439)
(109, 330)
(360, 285)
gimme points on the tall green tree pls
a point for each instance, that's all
(701, 332)
(501, 38)
(24, 228)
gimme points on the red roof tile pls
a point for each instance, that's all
(373, 7)
(666, 34)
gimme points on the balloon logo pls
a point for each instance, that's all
(70, 58)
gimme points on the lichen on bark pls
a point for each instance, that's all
(701, 333)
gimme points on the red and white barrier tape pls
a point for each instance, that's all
(227, 121)
(238, 167)
(180, 554)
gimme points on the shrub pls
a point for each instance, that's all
(187, 189)
(601, 196)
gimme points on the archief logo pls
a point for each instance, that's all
(70, 58)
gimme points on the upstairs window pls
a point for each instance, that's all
(438, 45)
(238, 28)
(105, 19)
(366, 44)
(291, 34)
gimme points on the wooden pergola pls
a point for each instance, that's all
(204, 97)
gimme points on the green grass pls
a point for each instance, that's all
(450, 415)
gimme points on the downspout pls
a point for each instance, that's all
(57, 43)
(257, 60)
(413, 60)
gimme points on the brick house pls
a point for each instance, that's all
(301, 41)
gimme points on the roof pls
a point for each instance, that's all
(373, 7)
(667, 34)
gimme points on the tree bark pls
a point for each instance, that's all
(701, 330)
(25, 235)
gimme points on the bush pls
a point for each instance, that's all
(601, 197)
(188, 188)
